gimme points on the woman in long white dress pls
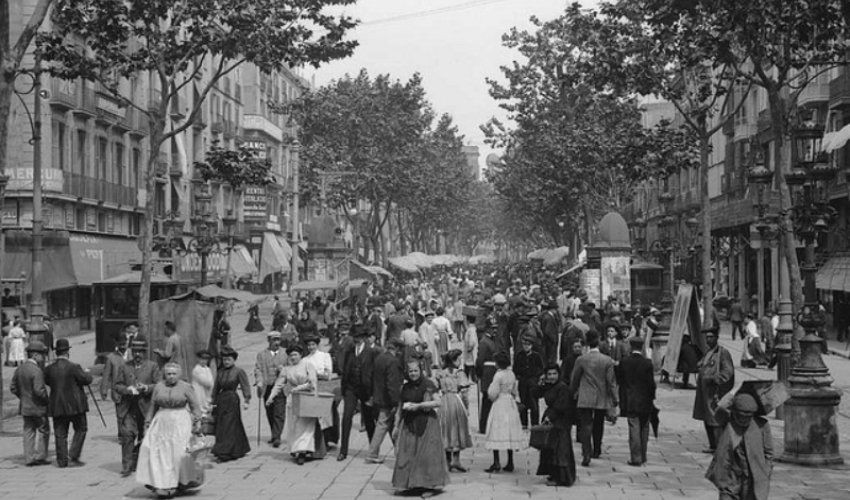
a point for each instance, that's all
(323, 363)
(302, 434)
(17, 344)
(203, 380)
(504, 430)
(173, 414)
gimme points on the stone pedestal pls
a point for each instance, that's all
(783, 347)
(662, 334)
(811, 433)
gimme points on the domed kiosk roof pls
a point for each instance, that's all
(613, 232)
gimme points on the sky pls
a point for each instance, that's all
(453, 44)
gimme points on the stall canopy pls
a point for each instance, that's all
(215, 292)
(358, 270)
(416, 261)
(569, 271)
(313, 286)
(272, 257)
(68, 260)
(834, 274)
(241, 263)
(550, 256)
(482, 259)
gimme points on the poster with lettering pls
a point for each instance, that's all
(616, 278)
(589, 282)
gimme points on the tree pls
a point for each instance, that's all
(11, 59)
(371, 132)
(173, 42)
(237, 168)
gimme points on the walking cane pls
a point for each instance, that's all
(96, 405)
(259, 418)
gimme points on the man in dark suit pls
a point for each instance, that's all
(68, 404)
(612, 346)
(485, 369)
(387, 379)
(595, 386)
(356, 385)
(28, 386)
(134, 386)
(636, 378)
(528, 367)
(550, 324)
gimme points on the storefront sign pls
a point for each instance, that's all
(20, 179)
(189, 267)
(257, 147)
(254, 202)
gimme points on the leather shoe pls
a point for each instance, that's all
(634, 464)
(340, 457)
(76, 463)
(276, 443)
(508, 468)
(299, 460)
(596, 454)
(708, 450)
(374, 460)
(585, 462)
(458, 468)
(126, 473)
(493, 468)
(36, 463)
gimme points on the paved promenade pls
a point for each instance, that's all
(676, 463)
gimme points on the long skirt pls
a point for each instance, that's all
(559, 462)
(420, 460)
(454, 423)
(303, 434)
(164, 448)
(231, 442)
(254, 324)
(504, 430)
(17, 350)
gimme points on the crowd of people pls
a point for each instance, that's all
(406, 358)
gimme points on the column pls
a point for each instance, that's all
(774, 277)
(760, 278)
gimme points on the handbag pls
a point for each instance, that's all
(542, 437)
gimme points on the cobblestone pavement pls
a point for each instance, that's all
(676, 464)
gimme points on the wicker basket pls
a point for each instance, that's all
(314, 405)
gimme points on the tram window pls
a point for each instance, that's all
(122, 302)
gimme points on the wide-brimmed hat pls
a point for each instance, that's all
(62, 345)
(203, 353)
(139, 344)
(229, 352)
(36, 346)
(311, 338)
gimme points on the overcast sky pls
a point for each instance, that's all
(454, 44)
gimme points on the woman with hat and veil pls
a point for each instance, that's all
(231, 442)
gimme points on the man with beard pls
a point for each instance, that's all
(715, 378)
(134, 385)
(742, 463)
(528, 366)
(356, 384)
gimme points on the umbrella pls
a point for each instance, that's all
(654, 421)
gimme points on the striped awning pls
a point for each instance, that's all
(834, 274)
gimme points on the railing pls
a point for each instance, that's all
(97, 189)
(64, 92)
(839, 90)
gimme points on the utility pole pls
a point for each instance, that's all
(296, 236)
(36, 327)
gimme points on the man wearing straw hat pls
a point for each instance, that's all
(269, 363)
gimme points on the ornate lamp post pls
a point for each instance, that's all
(664, 248)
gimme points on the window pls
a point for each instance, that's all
(81, 218)
(137, 165)
(80, 161)
(101, 167)
(60, 156)
(119, 163)
(101, 222)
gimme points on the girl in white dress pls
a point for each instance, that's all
(203, 380)
(17, 344)
(504, 431)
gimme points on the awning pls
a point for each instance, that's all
(272, 257)
(570, 270)
(835, 140)
(834, 274)
(68, 260)
(215, 292)
(287, 249)
(241, 263)
(363, 271)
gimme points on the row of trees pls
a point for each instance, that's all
(179, 48)
(376, 143)
(695, 54)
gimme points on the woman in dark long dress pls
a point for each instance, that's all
(420, 458)
(254, 323)
(558, 463)
(231, 442)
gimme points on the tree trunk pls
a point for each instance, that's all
(402, 241)
(705, 206)
(146, 238)
(781, 165)
(6, 85)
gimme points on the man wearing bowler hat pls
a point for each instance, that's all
(134, 385)
(28, 386)
(68, 404)
(357, 368)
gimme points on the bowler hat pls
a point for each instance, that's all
(274, 334)
(203, 353)
(36, 346)
(62, 345)
(139, 344)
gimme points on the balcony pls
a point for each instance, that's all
(217, 127)
(839, 91)
(82, 186)
(87, 100)
(64, 93)
(728, 126)
(815, 93)
(262, 124)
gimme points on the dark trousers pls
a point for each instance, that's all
(591, 427)
(638, 438)
(36, 438)
(60, 429)
(737, 326)
(350, 399)
(529, 402)
(713, 433)
(275, 413)
(332, 433)
(131, 432)
(486, 404)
